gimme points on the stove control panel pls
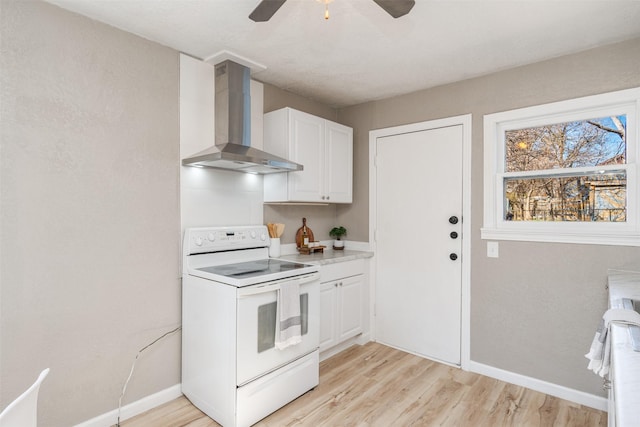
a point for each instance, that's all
(215, 239)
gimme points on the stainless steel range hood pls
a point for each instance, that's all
(232, 149)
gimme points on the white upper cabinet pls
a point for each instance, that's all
(323, 147)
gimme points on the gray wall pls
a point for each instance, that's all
(90, 211)
(533, 310)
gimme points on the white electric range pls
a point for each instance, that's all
(231, 369)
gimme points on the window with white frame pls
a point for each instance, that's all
(564, 172)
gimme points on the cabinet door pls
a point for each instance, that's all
(350, 307)
(328, 314)
(307, 134)
(611, 407)
(338, 183)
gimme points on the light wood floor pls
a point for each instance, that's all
(374, 385)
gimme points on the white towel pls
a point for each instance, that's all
(600, 352)
(289, 322)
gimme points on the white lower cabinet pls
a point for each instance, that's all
(340, 302)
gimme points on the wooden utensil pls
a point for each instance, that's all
(279, 230)
(300, 233)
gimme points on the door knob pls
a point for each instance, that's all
(453, 219)
(453, 257)
(453, 235)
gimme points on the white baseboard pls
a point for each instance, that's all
(364, 338)
(562, 392)
(358, 339)
(134, 408)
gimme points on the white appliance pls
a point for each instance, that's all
(231, 369)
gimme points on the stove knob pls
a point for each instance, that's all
(263, 237)
(211, 237)
(253, 234)
(199, 241)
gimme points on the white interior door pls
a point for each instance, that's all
(418, 281)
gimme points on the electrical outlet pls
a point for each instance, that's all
(492, 249)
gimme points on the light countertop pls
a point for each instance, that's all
(329, 256)
(626, 362)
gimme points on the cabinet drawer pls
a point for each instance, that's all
(341, 270)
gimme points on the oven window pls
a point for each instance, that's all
(267, 315)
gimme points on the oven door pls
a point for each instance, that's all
(257, 327)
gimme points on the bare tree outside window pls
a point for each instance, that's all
(547, 185)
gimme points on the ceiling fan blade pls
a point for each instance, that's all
(265, 10)
(396, 8)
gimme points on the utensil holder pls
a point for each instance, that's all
(274, 247)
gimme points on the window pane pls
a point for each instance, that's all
(592, 142)
(589, 198)
(267, 315)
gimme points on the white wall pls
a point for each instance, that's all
(211, 197)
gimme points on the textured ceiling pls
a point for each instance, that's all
(361, 53)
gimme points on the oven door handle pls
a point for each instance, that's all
(274, 286)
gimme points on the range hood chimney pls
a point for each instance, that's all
(232, 149)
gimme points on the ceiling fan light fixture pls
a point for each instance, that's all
(267, 8)
(326, 7)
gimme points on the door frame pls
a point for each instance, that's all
(465, 304)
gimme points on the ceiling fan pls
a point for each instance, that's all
(267, 8)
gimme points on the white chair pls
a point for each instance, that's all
(23, 412)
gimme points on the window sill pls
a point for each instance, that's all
(529, 235)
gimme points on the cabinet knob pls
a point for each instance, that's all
(453, 235)
(453, 257)
(453, 219)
